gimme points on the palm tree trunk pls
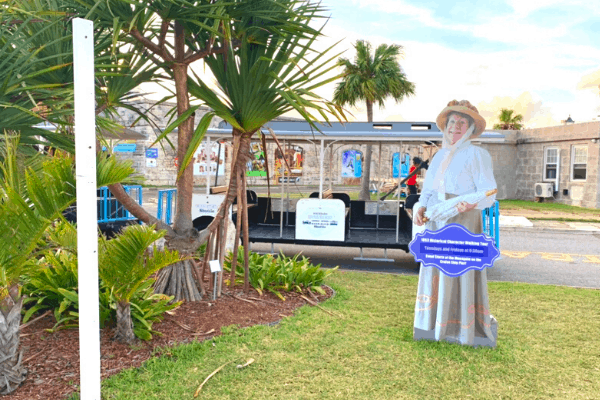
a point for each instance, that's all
(366, 168)
(12, 373)
(124, 332)
(185, 183)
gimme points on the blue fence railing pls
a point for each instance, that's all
(491, 222)
(167, 198)
(110, 210)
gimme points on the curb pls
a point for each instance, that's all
(546, 230)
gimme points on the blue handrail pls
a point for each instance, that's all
(110, 210)
(166, 213)
(491, 222)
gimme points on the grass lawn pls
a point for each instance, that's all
(548, 348)
(532, 205)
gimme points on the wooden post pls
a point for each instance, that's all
(87, 218)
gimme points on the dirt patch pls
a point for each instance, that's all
(53, 359)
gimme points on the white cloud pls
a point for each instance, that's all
(495, 79)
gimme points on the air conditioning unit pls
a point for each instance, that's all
(544, 190)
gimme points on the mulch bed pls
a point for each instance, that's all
(52, 360)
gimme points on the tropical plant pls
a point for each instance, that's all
(509, 120)
(30, 203)
(53, 285)
(372, 78)
(275, 274)
(47, 28)
(125, 265)
(21, 71)
(260, 54)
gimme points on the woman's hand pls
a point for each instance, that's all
(419, 215)
(463, 206)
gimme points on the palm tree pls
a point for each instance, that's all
(273, 71)
(256, 50)
(124, 265)
(30, 201)
(509, 120)
(372, 78)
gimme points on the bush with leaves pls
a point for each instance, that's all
(53, 284)
(275, 274)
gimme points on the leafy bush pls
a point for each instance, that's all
(53, 284)
(279, 273)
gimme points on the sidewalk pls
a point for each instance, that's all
(526, 219)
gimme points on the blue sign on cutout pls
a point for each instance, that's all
(454, 250)
(151, 153)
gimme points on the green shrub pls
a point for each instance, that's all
(279, 273)
(52, 284)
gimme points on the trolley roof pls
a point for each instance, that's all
(355, 132)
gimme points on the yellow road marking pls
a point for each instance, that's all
(565, 257)
(591, 259)
(557, 257)
(515, 254)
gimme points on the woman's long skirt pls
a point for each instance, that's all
(455, 309)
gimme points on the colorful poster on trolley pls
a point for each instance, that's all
(294, 156)
(208, 162)
(256, 166)
(400, 166)
(351, 164)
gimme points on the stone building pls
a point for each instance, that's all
(566, 156)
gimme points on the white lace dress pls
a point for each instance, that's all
(456, 309)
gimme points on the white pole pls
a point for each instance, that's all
(208, 154)
(321, 163)
(87, 219)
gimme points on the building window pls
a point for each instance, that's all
(551, 156)
(578, 163)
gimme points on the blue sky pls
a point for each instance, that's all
(539, 57)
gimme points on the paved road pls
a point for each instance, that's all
(535, 256)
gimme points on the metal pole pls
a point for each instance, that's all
(207, 170)
(321, 164)
(287, 191)
(218, 159)
(87, 219)
(282, 193)
(398, 206)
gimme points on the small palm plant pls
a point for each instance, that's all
(125, 265)
(30, 201)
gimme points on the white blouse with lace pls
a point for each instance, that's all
(469, 171)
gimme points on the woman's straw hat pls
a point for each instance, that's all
(464, 107)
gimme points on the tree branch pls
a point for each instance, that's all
(153, 47)
(164, 27)
(209, 50)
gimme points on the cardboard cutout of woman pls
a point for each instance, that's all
(456, 309)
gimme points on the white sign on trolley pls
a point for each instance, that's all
(320, 219)
(207, 205)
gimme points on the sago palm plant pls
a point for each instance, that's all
(125, 264)
(30, 202)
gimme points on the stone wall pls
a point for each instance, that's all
(531, 144)
(165, 173)
(518, 162)
(332, 162)
(504, 160)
